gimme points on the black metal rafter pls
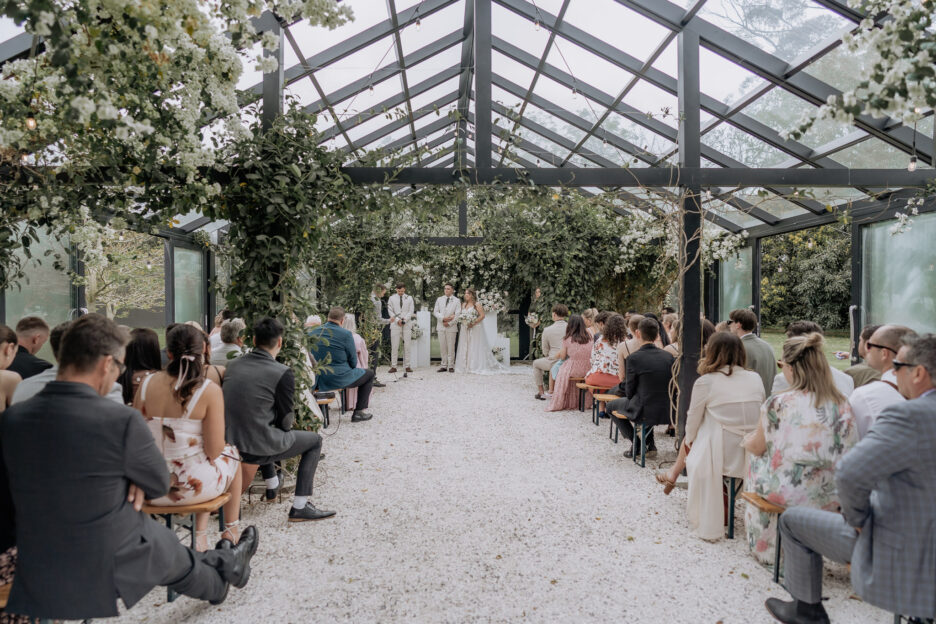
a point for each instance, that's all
(482, 55)
(464, 80)
(398, 45)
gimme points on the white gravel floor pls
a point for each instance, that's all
(464, 501)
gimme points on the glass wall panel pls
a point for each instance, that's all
(734, 282)
(44, 292)
(189, 285)
(900, 274)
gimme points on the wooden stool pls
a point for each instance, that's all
(581, 393)
(732, 495)
(597, 399)
(770, 508)
(324, 403)
(5, 594)
(597, 391)
(187, 513)
(344, 400)
(643, 440)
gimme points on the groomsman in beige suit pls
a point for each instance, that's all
(446, 307)
(552, 344)
(402, 310)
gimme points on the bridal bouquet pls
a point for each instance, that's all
(466, 316)
(532, 319)
(492, 301)
(416, 331)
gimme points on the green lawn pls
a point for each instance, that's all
(833, 343)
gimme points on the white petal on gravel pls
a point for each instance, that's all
(470, 503)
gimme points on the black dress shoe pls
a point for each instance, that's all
(272, 494)
(451, 370)
(378, 384)
(361, 416)
(307, 513)
(629, 453)
(237, 572)
(442, 370)
(797, 611)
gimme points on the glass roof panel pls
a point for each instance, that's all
(564, 99)
(519, 31)
(361, 64)
(873, 154)
(544, 118)
(315, 39)
(585, 66)
(367, 100)
(511, 70)
(363, 129)
(638, 135)
(780, 110)
(9, 29)
(505, 98)
(605, 19)
(607, 150)
(777, 206)
(734, 215)
(433, 65)
(833, 196)
(250, 75)
(441, 113)
(668, 61)
(383, 141)
(723, 80)
(430, 28)
(784, 28)
(423, 101)
(742, 147)
(653, 101)
(841, 69)
(541, 141)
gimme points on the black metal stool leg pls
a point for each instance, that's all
(776, 559)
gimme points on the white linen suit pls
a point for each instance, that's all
(401, 309)
(444, 307)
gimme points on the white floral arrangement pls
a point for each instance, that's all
(498, 353)
(416, 331)
(532, 319)
(467, 316)
(492, 301)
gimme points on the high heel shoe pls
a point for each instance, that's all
(667, 484)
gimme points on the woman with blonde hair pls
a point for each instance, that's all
(589, 316)
(801, 435)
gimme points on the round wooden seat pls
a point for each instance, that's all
(182, 510)
(582, 385)
(5, 594)
(604, 398)
(325, 401)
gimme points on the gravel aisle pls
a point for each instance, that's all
(464, 501)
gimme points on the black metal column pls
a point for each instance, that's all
(690, 155)
(524, 339)
(169, 272)
(712, 286)
(482, 54)
(756, 280)
(856, 316)
(273, 82)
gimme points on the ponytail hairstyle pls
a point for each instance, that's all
(187, 346)
(811, 369)
(7, 335)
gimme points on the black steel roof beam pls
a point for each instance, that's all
(389, 104)
(464, 79)
(399, 158)
(542, 61)
(420, 133)
(18, 47)
(398, 45)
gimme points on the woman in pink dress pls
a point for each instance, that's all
(576, 359)
(360, 349)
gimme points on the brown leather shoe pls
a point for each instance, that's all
(451, 370)
(409, 370)
(442, 370)
(392, 370)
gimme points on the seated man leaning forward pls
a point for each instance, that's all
(259, 394)
(552, 343)
(887, 488)
(343, 363)
(74, 470)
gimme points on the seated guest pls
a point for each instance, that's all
(843, 382)
(887, 489)
(551, 342)
(603, 365)
(232, 341)
(9, 381)
(360, 351)
(861, 373)
(725, 406)
(662, 337)
(215, 335)
(258, 418)
(575, 355)
(31, 333)
(589, 316)
(163, 356)
(28, 388)
(185, 413)
(672, 331)
(723, 326)
(630, 345)
(801, 434)
(600, 319)
(868, 401)
(82, 541)
(345, 372)
(760, 355)
(142, 359)
(646, 388)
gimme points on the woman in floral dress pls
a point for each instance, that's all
(802, 433)
(576, 359)
(185, 412)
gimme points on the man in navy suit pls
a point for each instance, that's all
(343, 363)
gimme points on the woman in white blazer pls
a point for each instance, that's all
(725, 406)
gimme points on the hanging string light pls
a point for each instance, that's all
(418, 24)
(536, 25)
(31, 123)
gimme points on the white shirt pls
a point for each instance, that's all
(215, 340)
(219, 355)
(446, 306)
(843, 381)
(868, 401)
(31, 386)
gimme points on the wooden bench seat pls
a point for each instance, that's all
(5, 594)
(642, 429)
(762, 504)
(599, 398)
(325, 405)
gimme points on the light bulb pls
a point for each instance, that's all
(537, 162)
(418, 23)
(24, 157)
(913, 163)
(604, 142)
(31, 123)
(536, 25)
(149, 265)
(917, 110)
(574, 94)
(120, 238)
(371, 88)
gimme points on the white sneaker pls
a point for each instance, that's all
(548, 395)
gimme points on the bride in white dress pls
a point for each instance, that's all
(474, 352)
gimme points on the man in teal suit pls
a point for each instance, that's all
(332, 339)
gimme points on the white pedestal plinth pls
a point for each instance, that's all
(490, 327)
(421, 348)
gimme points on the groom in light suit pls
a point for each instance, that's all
(446, 307)
(402, 310)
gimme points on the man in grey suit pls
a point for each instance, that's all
(760, 356)
(887, 488)
(74, 470)
(552, 344)
(258, 417)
